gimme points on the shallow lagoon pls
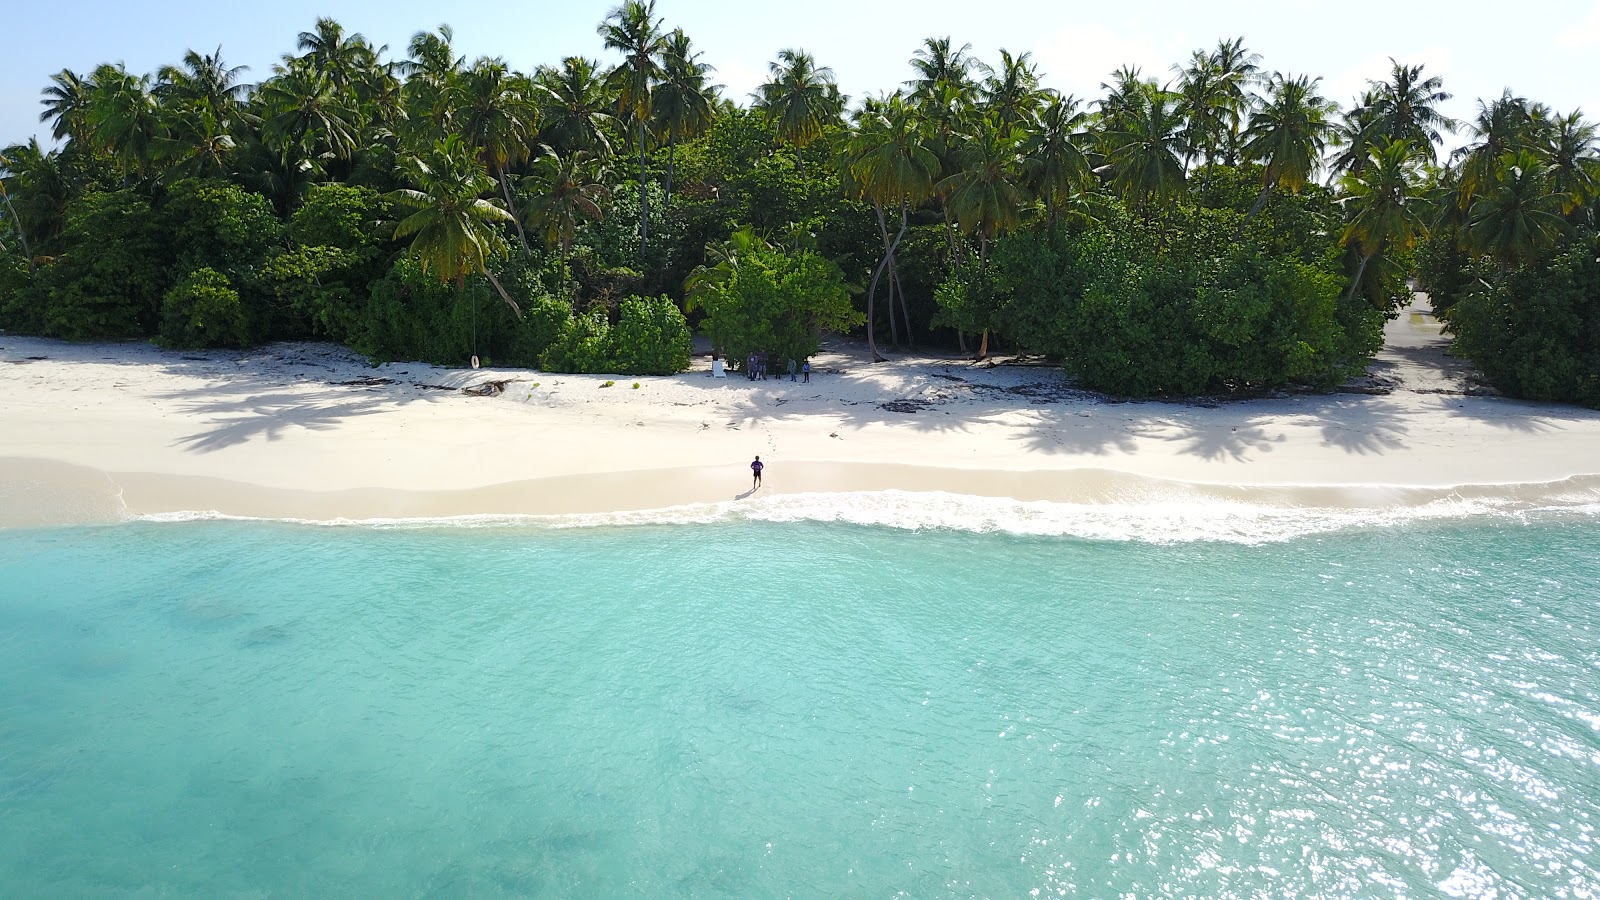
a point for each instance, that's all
(749, 708)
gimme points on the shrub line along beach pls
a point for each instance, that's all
(96, 432)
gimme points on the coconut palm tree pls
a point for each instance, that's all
(944, 75)
(800, 101)
(1571, 149)
(633, 30)
(572, 108)
(450, 225)
(339, 56)
(302, 106)
(1504, 125)
(68, 106)
(562, 193)
(1406, 108)
(988, 192)
(1287, 134)
(1204, 104)
(1145, 153)
(1011, 92)
(1379, 202)
(891, 165)
(496, 117)
(123, 116)
(684, 101)
(1236, 68)
(1517, 216)
(1054, 164)
(202, 80)
(431, 68)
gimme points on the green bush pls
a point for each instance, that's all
(114, 268)
(651, 338)
(410, 315)
(583, 347)
(204, 310)
(1535, 331)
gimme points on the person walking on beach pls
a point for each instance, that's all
(792, 368)
(805, 369)
(755, 473)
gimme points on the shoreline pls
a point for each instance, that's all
(99, 432)
(45, 493)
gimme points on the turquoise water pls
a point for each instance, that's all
(747, 709)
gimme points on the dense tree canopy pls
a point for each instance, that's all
(1225, 228)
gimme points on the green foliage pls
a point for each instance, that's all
(112, 273)
(203, 310)
(651, 338)
(410, 315)
(1130, 319)
(1536, 331)
(760, 298)
(214, 224)
(584, 346)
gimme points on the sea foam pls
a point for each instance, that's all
(1161, 518)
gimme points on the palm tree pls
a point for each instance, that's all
(1505, 125)
(68, 102)
(330, 51)
(1406, 108)
(1379, 198)
(203, 81)
(1572, 151)
(891, 165)
(1204, 104)
(1053, 162)
(431, 70)
(450, 225)
(1235, 67)
(633, 30)
(1011, 92)
(563, 192)
(572, 108)
(1287, 134)
(123, 116)
(800, 101)
(684, 102)
(987, 193)
(1145, 153)
(943, 75)
(301, 106)
(194, 144)
(1517, 217)
(495, 116)
(6, 170)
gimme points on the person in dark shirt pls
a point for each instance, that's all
(755, 473)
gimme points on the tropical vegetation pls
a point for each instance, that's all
(1220, 227)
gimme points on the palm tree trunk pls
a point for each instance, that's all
(644, 198)
(21, 234)
(672, 154)
(883, 232)
(894, 273)
(1255, 209)
(872, 291)
(511, 207)
(1355, 283)
(503, 295)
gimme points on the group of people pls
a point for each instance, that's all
(757, 366)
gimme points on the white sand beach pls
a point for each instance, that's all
(98, 432)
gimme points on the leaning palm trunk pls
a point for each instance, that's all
(905, 314)
(503, 295)
(511, 207)
(872, 292)
(21, 234)
(1361, 271)
(883, 232)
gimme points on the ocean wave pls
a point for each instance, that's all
(1190, 517)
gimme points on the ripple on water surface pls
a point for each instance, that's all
(757, 708)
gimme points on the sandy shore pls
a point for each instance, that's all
(98, 432)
